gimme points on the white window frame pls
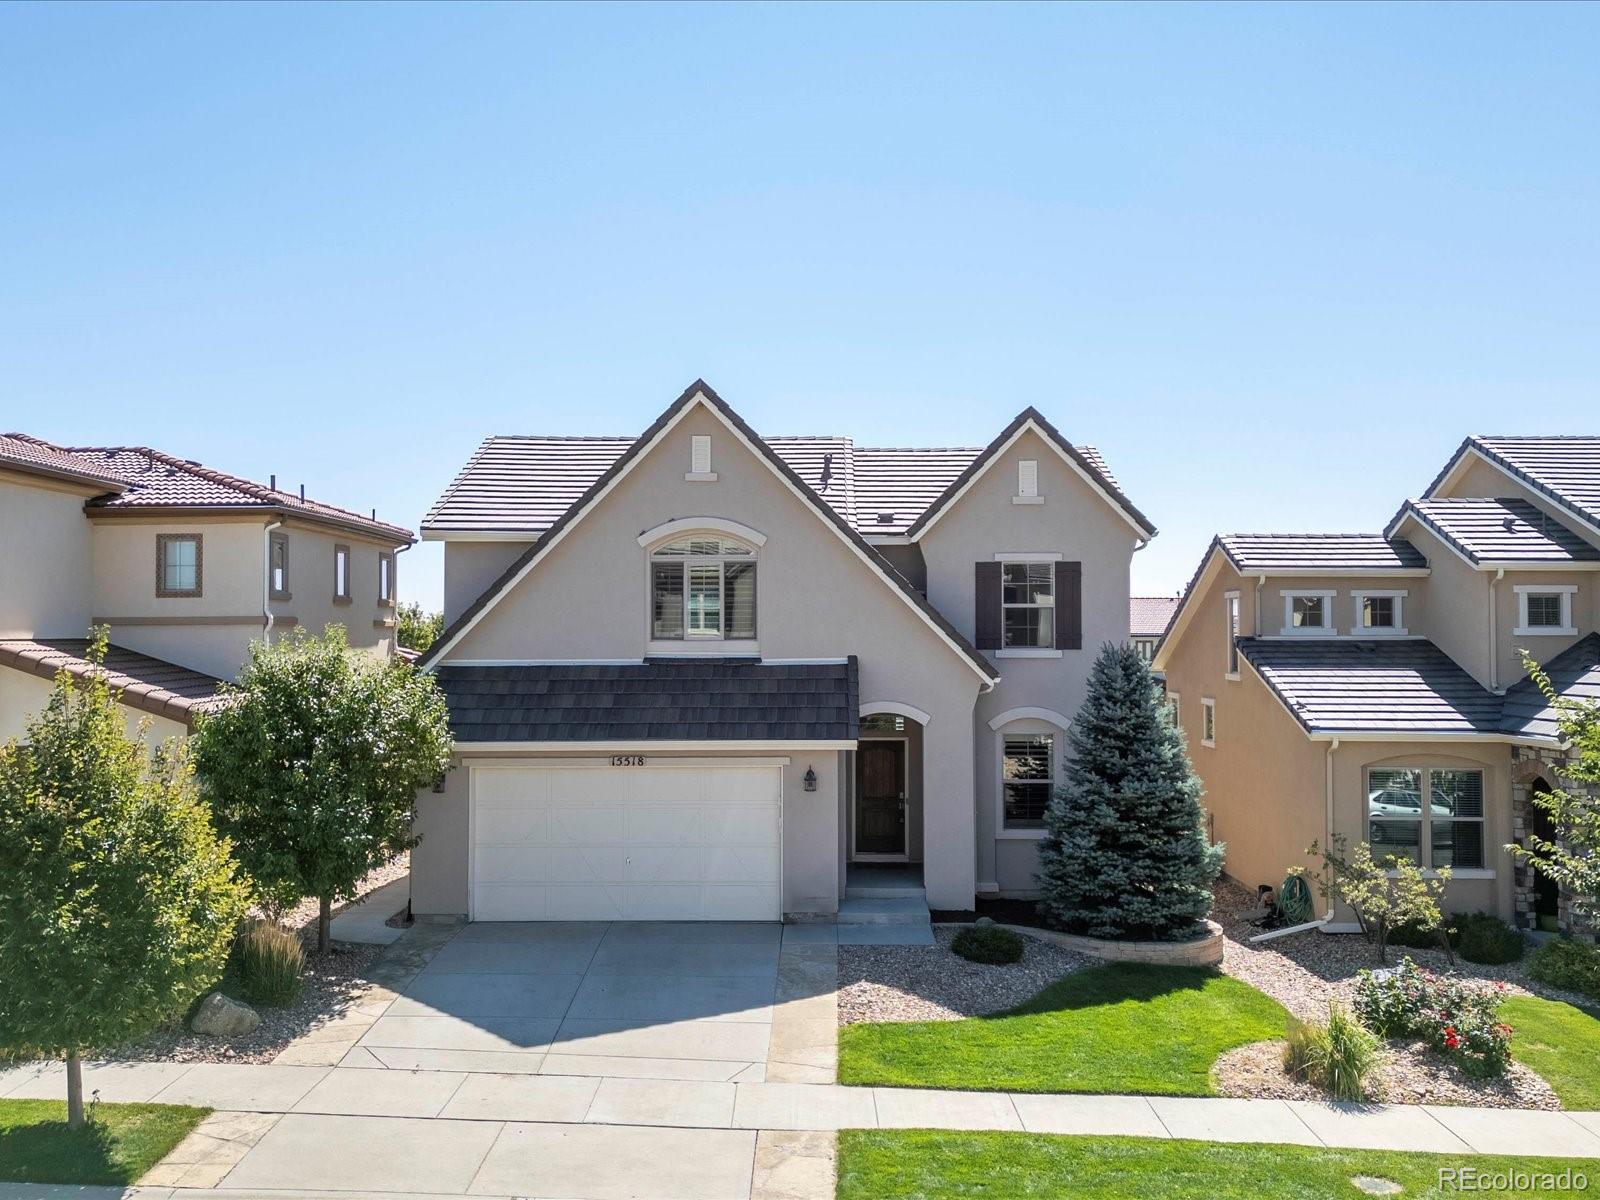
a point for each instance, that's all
(1233, 627)
(1144, 647)
(1031, 727)
(1328, 628)
(1208, 721)
(1398, 629)
(1049, 649)
(1424, 818)
(1564, 590)
(677, 645)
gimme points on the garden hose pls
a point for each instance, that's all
(1294, 900)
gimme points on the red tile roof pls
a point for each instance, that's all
(1148, 616)
(149, 684)
(30, 454)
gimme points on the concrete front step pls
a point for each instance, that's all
(879, 891)
(883, 910)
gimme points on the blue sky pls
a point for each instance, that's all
(1275, 261)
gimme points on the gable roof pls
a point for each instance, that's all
(1566, 469)
(37, 457)
(1575, 675)
(1031, 418)
(1148, 616)
(149, 684)
(1497, 529)
(1266, 553)
(700, 392)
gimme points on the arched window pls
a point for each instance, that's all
(703, 587)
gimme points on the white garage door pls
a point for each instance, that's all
(648, 843)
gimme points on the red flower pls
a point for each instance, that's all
(1452, 1039)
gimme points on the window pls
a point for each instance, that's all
(1145, 648)
(883, 723)
(1307, 613)
(1208, 722)
(1026, 777)
(279, 566)
(1028, 604)
(1175, 708)
(1434, 816)
(703, 587)
(1231, 611)
(1379, 613)
(178, 564)
(386, 578)
(341, 574)
(1545, 609)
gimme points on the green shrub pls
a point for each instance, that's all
(1338, 1057)
(988, 944)
(1571, 966)
(270, 961)
(1414, 937)
(1484, 938)
(1457, 1018)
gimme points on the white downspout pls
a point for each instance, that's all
(394, 599)
(1261, 582)
(1494, 632)
(266, 581)
(1327, 817)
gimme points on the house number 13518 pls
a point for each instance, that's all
(627, 760)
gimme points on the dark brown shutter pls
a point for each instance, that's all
(1069, 606)
(986, 605)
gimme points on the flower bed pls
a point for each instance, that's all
(1459, 1019)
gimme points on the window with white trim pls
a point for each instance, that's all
(385, 578)
(1308, 613)
(1208, 721)
(1231, 611)
(1027, 775)
(1379, 613)
(1431, 815)
(1545, 609)
(1028, 604)
(703, 588)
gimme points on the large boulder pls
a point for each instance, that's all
(220, 1016)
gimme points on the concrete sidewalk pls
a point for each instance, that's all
(459, 1100)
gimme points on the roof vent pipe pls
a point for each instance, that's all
(272, 481)
(302, 491)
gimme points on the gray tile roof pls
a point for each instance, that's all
(1148, 616)
(148, 684)
(1567, 469)
(1268, 552)
(1333, 685)
(1499, 530)
(657, 700)
(1575, 673)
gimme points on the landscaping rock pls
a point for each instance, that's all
(220, 1016)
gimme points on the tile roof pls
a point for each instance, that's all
(1567, 469)
(658, 700)
(159, 480)
(1486, 528)
(523, 484)
(1268, 552)
(148, 684)
(27, 453)
(1148, 616)
(1575, 674)
(1335, 685)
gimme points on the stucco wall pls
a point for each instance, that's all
(1074, 522)
(470, 567)
(588, 599)
(311, 586)
(1413, 608)
(23, 695)
(45, 572)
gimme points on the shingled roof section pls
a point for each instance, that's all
(1567, 469)
(1268, 552)
(658, 700)
(1494, 529)
(149, 684)
(158, 480)
(1148, 616)
(37, 457)
(1575, 674)
(1340, 686)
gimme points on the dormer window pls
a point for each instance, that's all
(1545, 609)
(1379, 614)
(1307, 614)
(703, 588)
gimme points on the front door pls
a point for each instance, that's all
(881, 798)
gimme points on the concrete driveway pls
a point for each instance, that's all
(684, 1001)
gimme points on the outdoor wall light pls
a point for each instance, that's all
(811, 780)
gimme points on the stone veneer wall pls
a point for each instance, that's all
(1530, 763)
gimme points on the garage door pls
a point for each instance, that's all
(626, 843)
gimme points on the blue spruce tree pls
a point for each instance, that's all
(1125, 853)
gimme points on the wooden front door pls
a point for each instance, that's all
(881, 798)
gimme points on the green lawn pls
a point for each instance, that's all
(121, 1144)
(1117, 1028)
(922, 1164)
(1559, 1042)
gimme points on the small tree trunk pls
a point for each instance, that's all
(1449, 950)
(324, 924)
(74, 1090)
(1383, 942)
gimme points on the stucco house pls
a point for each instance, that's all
(1148, 617)
(186, 565)
(696, 673)
(1370, 685)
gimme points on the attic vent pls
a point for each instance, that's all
(1028, 477)
(885, 518)
(700, 459)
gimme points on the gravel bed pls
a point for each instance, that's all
(918, 983)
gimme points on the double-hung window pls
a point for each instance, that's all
(1431, 815)
(1027, 776)
(703, 588)
(1028, 604)
(178, 564)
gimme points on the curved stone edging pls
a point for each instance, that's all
(1196, 952)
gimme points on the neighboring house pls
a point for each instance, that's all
(695, 673)
(185, 565)
(1369, 686)
(1147, 621)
